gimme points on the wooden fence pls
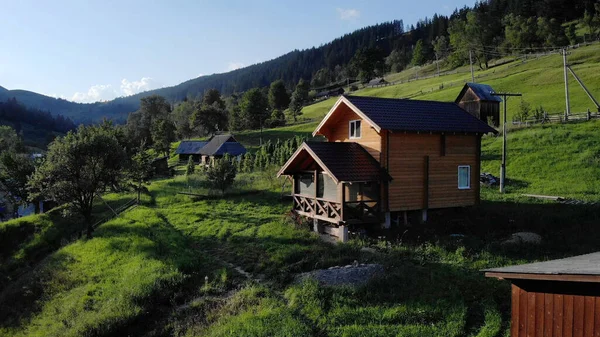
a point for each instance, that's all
(116, 212)
(560, 118)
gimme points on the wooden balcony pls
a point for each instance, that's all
(318, 208)
(335, 212)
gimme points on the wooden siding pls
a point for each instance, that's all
(480, 109)
(407, 165)
(550, 312)
(337, 130)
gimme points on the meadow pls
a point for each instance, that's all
(179, 265)
(171, 266)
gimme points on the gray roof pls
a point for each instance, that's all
(221, 144)
(377, 80)
(483, 91)
(418, 116)
(190, 147)
(588, 264)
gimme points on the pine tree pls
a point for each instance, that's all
(191, 167)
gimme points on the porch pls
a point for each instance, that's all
(317, 196)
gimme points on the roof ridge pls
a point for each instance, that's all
(400, 99)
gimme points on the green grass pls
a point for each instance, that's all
(144, 272)
(555, 159)
(139, 271)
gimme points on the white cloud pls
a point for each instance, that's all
(106, 92)
(99, 92)
(348, 14)
(132, 88)
(235, 65)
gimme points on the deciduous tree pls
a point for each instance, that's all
(254, 108)
(279, 99)
(78, 167)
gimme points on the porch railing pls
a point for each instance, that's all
(318, 208)
(333, 211)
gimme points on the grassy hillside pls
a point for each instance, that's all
(172, 266)
(540, 80)
(143, 273)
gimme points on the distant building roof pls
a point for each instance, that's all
(483, 91)
(376, 81)
(219, 145)
(344, 161)
(190, 147)
(414, 115)
(588, 264)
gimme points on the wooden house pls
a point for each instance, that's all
(554, 298)
(189, 148)
(384, 157)
(377, 82)
(477, 99)
(330, 93)
(219, 145)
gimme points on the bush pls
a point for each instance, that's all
(190, 168)
(524, 111)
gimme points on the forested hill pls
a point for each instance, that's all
(489, 29)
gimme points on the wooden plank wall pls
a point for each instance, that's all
(407, 168)
(536, 314)
(337, 130)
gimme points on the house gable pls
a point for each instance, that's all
(336, 127)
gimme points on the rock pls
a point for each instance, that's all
(344, 276)
(368, 250)
(527, 238)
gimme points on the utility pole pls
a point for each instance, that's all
(503, 165)
(437, 62)
(471, 61)
(568, 111)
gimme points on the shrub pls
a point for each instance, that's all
(221, 174)
(190, 168)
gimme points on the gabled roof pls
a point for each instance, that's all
(411, 115)
(221, 144)
(344, 162)
(483, 91)
(588, 265)
(190, 147)
(377, 80)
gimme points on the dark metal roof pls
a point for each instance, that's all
(190, 147)
(484, 92)
(221, 144)
(348, 161)
(418, 116)
(377, 80)
(588, 264)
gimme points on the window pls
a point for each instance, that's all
(354, 129)
(464, 177)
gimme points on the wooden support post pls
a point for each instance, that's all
(405, 218)
(589, 114)
(343, 233)
(424, 216)
(426, 183)
(388, 221)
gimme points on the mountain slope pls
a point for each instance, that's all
(289, 67)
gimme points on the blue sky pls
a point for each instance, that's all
(97, 50)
